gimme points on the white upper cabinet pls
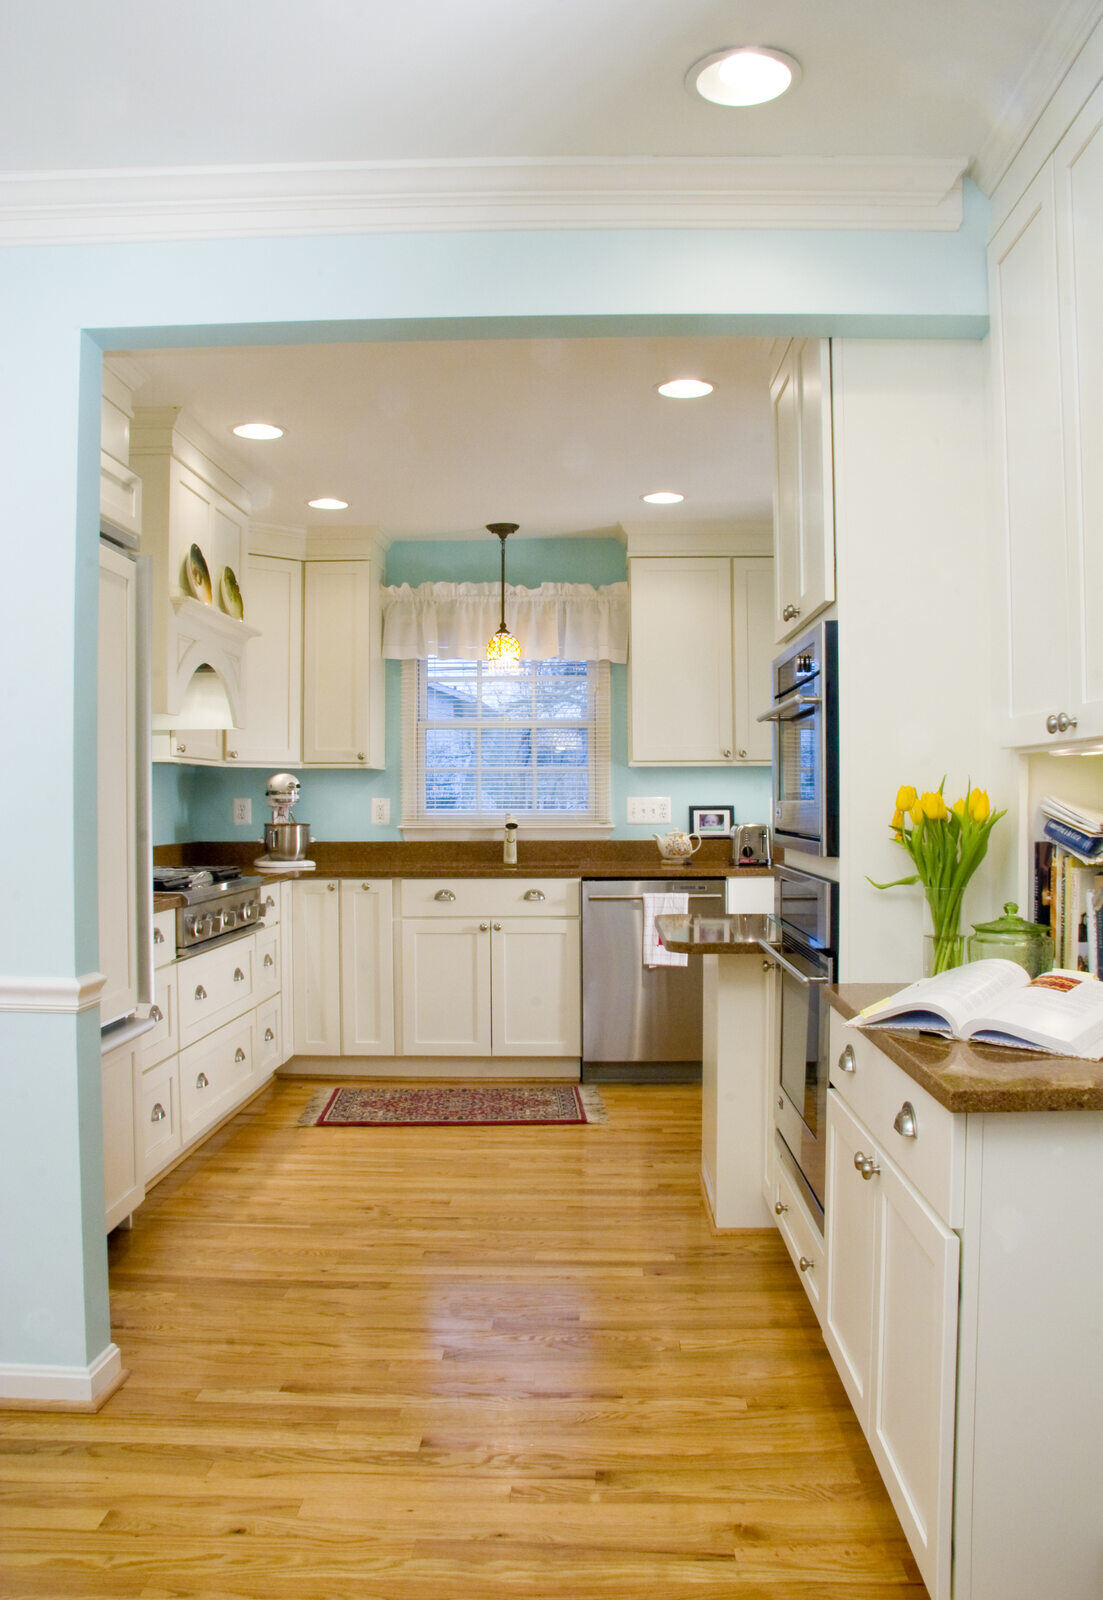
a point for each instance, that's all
(1046, 277)
(804, 507)
(272, 735)
(120, 487)
(342, 666)
(698, 671)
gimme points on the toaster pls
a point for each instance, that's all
(750, 845)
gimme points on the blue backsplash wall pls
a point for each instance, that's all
(197, 802)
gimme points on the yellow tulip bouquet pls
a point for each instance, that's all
(947, 845)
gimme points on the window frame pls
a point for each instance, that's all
(417, 822)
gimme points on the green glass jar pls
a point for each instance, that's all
(1012, 938)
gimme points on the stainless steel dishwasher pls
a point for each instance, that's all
(639, 1024)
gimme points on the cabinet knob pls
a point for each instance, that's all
(484, 927)
(444, 894)
(789, 613)
(360, 755)
(231, 755)
(158, 936)
(239, 976)
(202, 1082)
(156, 1014)
(1064, 722)
(158, 1114)
(781, 1102)
(181, 749)
(904, 1121)
(742, 754)
(497, 927)
(331, 887)
(535, 894)
(1051, 723)
(268, 1036)
(367, 888)
(726, 754)
(805, 1264)
(200, 992)
(239, 1054)
(268, 962)
(866, 1165)
(847, 1062)
(779, 1209)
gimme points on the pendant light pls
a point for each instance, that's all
(502, 649)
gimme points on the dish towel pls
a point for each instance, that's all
(655, 953)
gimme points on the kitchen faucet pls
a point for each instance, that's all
(509, 841)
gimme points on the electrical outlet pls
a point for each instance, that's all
(381, 811)
(243, 813)
(662, 808)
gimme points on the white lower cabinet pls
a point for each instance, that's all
(123, 1177)
(213, 1074)
(316, 939)
(367, 968)
(891, 1326)
(159, 1116)
(534, 987)
(445, 986)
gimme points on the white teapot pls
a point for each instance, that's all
(675, 846)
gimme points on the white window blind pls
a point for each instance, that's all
(479, 741)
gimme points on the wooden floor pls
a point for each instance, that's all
(452, 1364)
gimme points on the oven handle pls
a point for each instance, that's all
(779, 960)
(789, 709)
(638, 898)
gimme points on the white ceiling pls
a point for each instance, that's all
(132, 84)
(437, 439)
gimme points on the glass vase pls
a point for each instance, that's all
(944, 942)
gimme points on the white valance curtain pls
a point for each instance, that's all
(557, 621)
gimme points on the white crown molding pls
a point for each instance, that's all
(62, 1388)
(445, 196)
(161, 430)
(317, 544)
(719, 537)
(1062, 44)
(51, 994)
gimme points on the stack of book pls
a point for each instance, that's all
(1068, 877)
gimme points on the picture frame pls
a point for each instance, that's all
(710, 822)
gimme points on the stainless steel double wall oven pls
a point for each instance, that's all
(805, 715)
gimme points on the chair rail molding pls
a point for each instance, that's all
(139, 204)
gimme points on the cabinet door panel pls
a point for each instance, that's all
(817, 487)
(1079, 165)
(535, 987)
(785, 404)
(445, 987)
(272, 735)
(1023, 259)
(850, 1222)
(367, 969)
(122, 1156)
(911, 1429)
(752, 602)
(680, 668)
(342, 716)
(316, 972)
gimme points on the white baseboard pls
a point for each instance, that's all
(63, 1388)
(480, 1068)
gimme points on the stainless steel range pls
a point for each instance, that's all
(222, 904)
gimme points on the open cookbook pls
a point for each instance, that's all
(997, 1002)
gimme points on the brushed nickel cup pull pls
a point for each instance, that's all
(268, 1036)
(444, 894)
(239, 976)
(905, 1121)
(158, 936)
(202, 1082)
(239, 1054)
(535, 894)
(200, 992)
(268, 901)
(158, 1114)
(156, 1014)
(847, 1062)
(268, 962)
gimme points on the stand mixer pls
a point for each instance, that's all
(285, 840)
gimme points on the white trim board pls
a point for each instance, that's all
(469, 1068)
(51, 994)
(82, 1388)
(136, 204)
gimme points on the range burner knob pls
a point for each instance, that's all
(230, 917)
(191, 924)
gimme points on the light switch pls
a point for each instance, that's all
(381, 811)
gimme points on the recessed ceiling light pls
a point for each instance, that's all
(662, 497)
(326, 504)
(684, 388)
(747, 76)
(258, 430)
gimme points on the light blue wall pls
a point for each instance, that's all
(197, 802)
(232, 291)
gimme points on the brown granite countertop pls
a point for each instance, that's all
(722, 935)
(467, 858)
(977, 1077)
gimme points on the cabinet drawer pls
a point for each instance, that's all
(215, 987)
(877, 1090)
(269, 1053)
(164, 1039)
(490, 897)
(215, 1075)
(271, 899)
(802, 1239)
(159, 1115)
(268, 963)
(164, 938)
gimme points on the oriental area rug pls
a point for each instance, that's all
(454, 1105)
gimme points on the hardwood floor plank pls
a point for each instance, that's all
(452, 1364)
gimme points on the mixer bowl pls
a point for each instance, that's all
(287, 841)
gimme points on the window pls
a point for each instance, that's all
(479, 742)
